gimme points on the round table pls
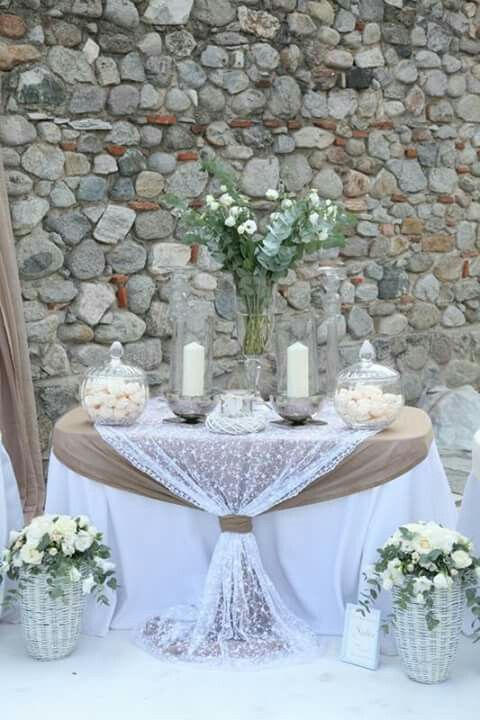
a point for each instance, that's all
(314, 555)
(11, 514)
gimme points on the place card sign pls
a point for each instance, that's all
(361, 637)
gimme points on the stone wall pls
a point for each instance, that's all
(106, 104)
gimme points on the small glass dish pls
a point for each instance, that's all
(297, 411)
(190, 409)
(115, 393)
(369, 396)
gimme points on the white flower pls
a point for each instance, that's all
(104, 565)
(420, 599)
(83, 521)
(230, 221)
(477, 571)
(65, 525)
(75, 574)
(441, 581)
(387, 583)
(421, 584)
(52, 551)
(313, 218)
(250, 227)
(286, 204)
(313, 198)
(68, 547)
(214, 206)
(223, 188)
(235, 211)
(88, 584)
(461, 559)
(272, 194)
(323, 235)
(14, 535)
(226, 200)
(30, 555)
(83, 541)
(241, 229)
(39, 527)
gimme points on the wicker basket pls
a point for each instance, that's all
(428, 655)
(51, 627)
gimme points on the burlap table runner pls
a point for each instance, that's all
(379, 460)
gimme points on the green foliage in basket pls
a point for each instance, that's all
(418, 559)
(229, 228)
(68, 549)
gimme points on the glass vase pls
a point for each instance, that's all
(333, 276)
(255, 320)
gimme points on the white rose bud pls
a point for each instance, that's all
(461, 559)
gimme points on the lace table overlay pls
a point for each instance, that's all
(241, 617)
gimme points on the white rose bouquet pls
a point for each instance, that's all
(418, 559)
(67, 549)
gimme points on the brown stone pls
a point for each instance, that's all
(356, 205)
(341, 142)
(337, 155)
(194, 251)
(465, 269)
(12, 26)
(241, 123)
(360, 134)
(382, 124)
(116, 150)
(162, 119)
(446, 199)
(448, 268)
(187, 155)
(462, 169)
(355, 184)
(143, 205)
(399, 197)
(437, 243)
(68, 146)
(294, 124)
(12, 55)
(412, 226)
(198, 129)
(325, 124)
(272, 123)
(411, 153)
(263, 83)
(387, 229)
(460, 145)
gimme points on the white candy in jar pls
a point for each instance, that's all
(368, 403)
(113, 400)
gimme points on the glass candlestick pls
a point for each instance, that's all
(333, 276)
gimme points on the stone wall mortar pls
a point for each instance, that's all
(107, 104)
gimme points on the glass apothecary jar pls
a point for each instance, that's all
(369, 395)
(115, 393)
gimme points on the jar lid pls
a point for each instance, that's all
(367, 370)
(114, 367)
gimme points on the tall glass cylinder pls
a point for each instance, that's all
(333, 275)
(191, 362)
(297, 398)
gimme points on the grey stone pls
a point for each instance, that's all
(41, 88)
(177, 100)
(409, 174)
(87, 260)
(157, 319)
(87, 99)
(55, 361)
(162, 163)
(71, 65)
(122, 13)
(178, 137)
(437, 39)
(342, 103)
(426, 59)
(151, 137)
(59, 397)
(260, 175)
(132, 162)
(107, 71)
(313, 137)
(122, 189)
(37, 256)
(72, 226)
(123, 100)
(105, 164)
(57, 291)
(296, 172)
(131, 67)
(166, 256)
(468, 289)
(75, 333)
(453, 317)
(395, 34)
(151, 44)
(371, 9)
(49, 132)
(328, 184)
(214, 57)
(16, 130)
(443, 180)
(93, 301)
(149, 184)
(469, 108)
(180, 43)
(121, 43)
(34, 310)
(225, 305)
(42, 331)
(27, 213)
(191, 74)
(61, 196)
(339, 59)
(188, 180)
(246, 103)
(17, 183)
(114, 224)
(216, 13)
(301, 24)
(359, 322)
(460, 373)
(123, 133)
(427, 288)
(265, 56)
(92, 189)
(259, 22)
(298, 295)
(435, 83)
(392, 325)
(127, 257)
(87, 8)
(344, 21)
(44, 161)
(406, 71)
(155, 225)
(315, 104)
(159, 70)
(320, 9)
(168, 12)
(370, 58)
(393, 284)
(420, 262)
(146, 354)
(141, 289)
(424, 316)
(286, 97)
(235, 81)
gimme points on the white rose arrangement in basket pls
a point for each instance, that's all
(431, 572)
(56, 562)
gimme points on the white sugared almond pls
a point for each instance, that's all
(114, 400)
(367, 403)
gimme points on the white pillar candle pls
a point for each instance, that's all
(193, 383)
(297, 371)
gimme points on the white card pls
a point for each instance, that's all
(361, 637)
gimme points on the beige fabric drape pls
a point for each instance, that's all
(380, 459)
(18, 417)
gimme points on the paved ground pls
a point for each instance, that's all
(110, 679)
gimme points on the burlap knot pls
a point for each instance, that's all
(236, 524)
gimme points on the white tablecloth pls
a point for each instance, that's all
(314, 555)
(11, 515)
